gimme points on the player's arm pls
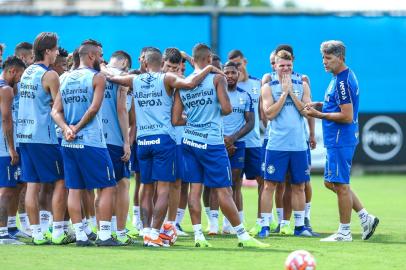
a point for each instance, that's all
(122, 114)
(132, 123)
(221, 87)
(188, 58)
(266, 78)
(177, 109)
(174, 81)
(51, 83)
(310, 120)
(126, 80)
(58, 116)
(270, 107)
(6, 101)
(99, 84)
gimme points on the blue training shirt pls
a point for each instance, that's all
(343, 89)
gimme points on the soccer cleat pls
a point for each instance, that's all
(126, 240)
(274, 225)
(86, 243)
(180, 231)
(133, 233)
(369, 226)
(277, 229)
(252, 243)
(111, 242)
(338, 237)
(63, 239)
(156, 243)
(7, 240)
(48, 234)
(255, 230)
(41, 242)
(202, 244)
(92, 236)
(286, 230)
(264, 232)
(15, 232)
(307, 222)
(303, 231)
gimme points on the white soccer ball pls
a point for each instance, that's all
(300, 260)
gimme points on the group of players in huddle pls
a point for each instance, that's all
(73, 125)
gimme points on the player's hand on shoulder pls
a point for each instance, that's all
(216, 70)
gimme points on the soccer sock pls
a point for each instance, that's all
(179, 215)
(259, 221)
(57, 229)
(279, 213)
(241, 232)
(113, 223)
(299, 218)
(86, 227)
(197, 229)
(307, 210)
(93, 221)
(136, 214)
(44, 220)
(12, 222)
(3, 231)
(146, 232)
(154, 234)
(37, 232)
(66, 226)
(241, 215)
(344, 228)
(226, 223)
(80, 234)
(285, 222)
(363, 215)
(105, 230)
(214, 220)
(265, 219)
(121, 234)
(50, 220)
(24, 222)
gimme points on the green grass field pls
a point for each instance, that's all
(383, 195)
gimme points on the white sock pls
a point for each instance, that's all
(363, 215)
(93, 221)
(259, 221)
(179, 215)
(3, 231)
(146, 232)
(12, 222)
(279, 213)
(154, 234)
(57, 229)
(113, 223)
(197, 229)
(37, 232)
(44, 220)
(241, 232)
(24, 222)
(307, 210)
(51, 219)
(80, 234)
(265, 219)
(241, 215)
(207, 211)
(299, 218)
(121, 234)
(214, 219)
(86, 227)
(136, 214)
(66, 226)
(226, 223)
(105, 230)
(344, 228)
(285, 222)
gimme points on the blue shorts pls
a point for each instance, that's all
(278, 163)
(134, 165)
(41, 163)
(88, 167)
(263, 154)
(156, 156)
(121, 168)
(180, 163)
(252, 165)
(237, 160)
(338, 164)
(9, 174)
(206, 164)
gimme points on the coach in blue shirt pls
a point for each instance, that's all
(340, 134)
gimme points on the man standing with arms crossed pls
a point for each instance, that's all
(340, 135)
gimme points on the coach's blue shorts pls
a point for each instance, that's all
(180, 163)
(41, 163)
(206, 164)
(263, 154)
(121, 168)
(278, 163)
(9, 174)
(237, 160)
(87, 167)
(338, 164)
(156, 156)
(134, 165)
(252, 163)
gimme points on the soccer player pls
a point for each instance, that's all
(340, 135)
(61, 64)
(116, 132)
(252, 85)
(13, 68)
(23, 50)
(153, 93)
(283, 102)
(205, 155)
(41, 160)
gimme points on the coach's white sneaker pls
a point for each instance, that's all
(338, 237)
(369, 226)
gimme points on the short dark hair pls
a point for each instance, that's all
(153, 56)
(91, 42)
(172, 55)
(13, 61)
(76, 58)
(284, 47)
(144, 49)
(234, 54)
(87, 46)
(22, 46)
(44, 41)
(230, 64)
(200, 51)
(63, 52)
(216, 57)
(122, 55)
